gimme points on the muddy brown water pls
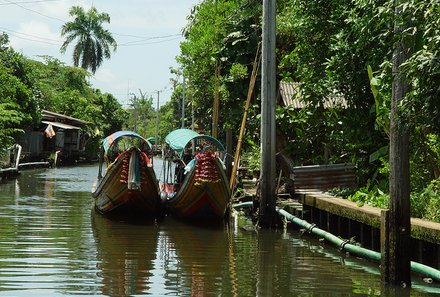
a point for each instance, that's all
(52, 243)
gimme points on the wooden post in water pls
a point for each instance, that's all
(399, 221)
(385, 246)
(268, 101)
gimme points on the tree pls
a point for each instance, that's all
(94, 42)
(18, 103)
(142, 119)
(220, 35)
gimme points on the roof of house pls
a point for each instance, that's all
(61, 118)
(291, 96)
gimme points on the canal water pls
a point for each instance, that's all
(52, 243)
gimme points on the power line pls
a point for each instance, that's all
(34, 11)
(58, 42)
(26, 2)
(30, 35)
(144, 39)
(154, 42)
(137, 36)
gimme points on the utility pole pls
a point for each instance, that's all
(192, 115)
(134, 103)
(183, 103)
(215, 109)
(399, 217)
(268, 100)
(157, 122)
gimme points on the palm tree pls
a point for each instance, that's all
(94, 42)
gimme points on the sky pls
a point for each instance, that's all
(148, 33)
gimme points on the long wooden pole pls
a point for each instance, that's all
(399, 221)
(267, 214)
(255, 68)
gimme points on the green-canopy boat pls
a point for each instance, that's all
(198, 189)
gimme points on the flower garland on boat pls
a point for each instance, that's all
(206, 169)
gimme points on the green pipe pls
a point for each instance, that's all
(342, 244)
(243, 205)
(356, 250)
(345, 245)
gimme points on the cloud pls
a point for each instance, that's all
(34, 34)
(105, 75)
(60, 9)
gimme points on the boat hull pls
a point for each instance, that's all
(206, 200)
(113, 195)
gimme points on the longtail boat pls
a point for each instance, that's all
(129, 184)
(198, 189)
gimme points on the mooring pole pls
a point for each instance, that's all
(268, 100)
(385, 246)
(399, 220)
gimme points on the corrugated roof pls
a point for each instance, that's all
(291, 96)
(61, 125)
(53, 116)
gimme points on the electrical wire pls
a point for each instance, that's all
(43, 39)
(26, 2)
(34, 11)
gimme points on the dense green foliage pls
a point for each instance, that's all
(18, 107)
(330, 49)
(28, 86)
(223, 36)
(94, 43)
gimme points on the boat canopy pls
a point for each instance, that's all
(109, 140)
(151, 139)
(180, 138)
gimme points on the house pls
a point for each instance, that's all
(290, 95)
(57, 134)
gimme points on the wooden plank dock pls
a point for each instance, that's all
(6, 173)
(13, 172)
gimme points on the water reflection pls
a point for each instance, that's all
(52, 243)
(200, 257)
(125, 253)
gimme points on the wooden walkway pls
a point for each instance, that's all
(9, 173)
(12, 172)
